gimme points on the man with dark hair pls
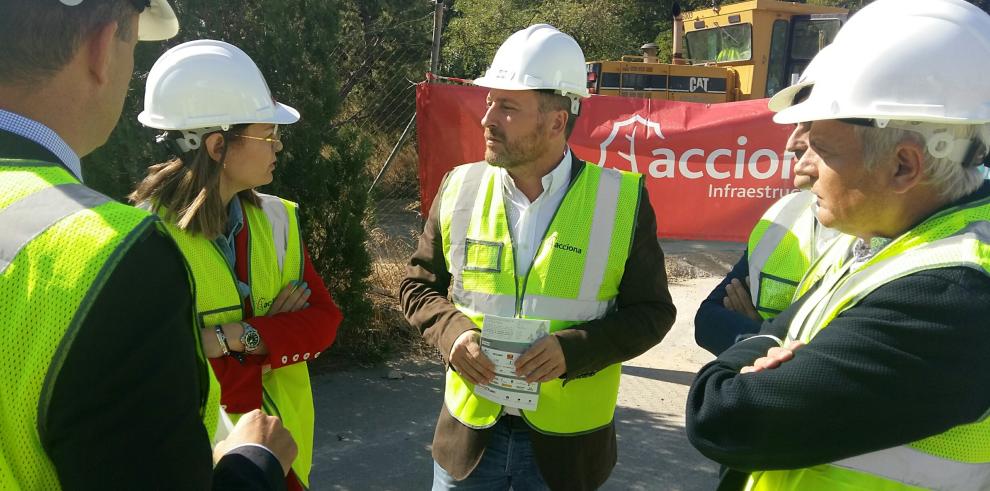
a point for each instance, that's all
(105, 384)
(534, 236)
(551, 101)
(782, 246)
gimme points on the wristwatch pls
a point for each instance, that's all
(224, 346)
(250, 339)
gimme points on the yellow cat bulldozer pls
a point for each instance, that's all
(732, 52)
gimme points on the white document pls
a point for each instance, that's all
(503, 340)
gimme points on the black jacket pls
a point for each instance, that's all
(716, 327)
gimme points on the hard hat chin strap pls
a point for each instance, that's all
(575, 104)
(189, 140)
(942, 144)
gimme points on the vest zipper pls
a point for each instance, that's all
(522, 294)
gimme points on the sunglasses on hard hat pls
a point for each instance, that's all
(868, 122)
(140, 5)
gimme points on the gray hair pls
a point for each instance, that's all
(951, 178)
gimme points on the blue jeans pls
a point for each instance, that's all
(508, 462)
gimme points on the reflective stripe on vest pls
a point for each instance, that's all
(574, 278)
(276, 259)
(781, 248)
(60, 243)
(958, 459)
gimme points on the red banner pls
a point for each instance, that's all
(711, 170)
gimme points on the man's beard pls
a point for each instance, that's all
(518, 152)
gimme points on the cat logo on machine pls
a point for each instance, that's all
(698, 83)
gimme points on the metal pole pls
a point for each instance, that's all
(437, 27)
(395, 151)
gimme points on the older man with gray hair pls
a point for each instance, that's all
(876, 377)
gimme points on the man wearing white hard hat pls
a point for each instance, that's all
(782, 246)
(876, 377)
(534, 240)
(104, 386)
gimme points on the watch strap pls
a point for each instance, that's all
(222, 339)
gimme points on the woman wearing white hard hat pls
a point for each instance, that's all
(265, 311)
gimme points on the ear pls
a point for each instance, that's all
(99, 52)
(909, 167)
(214, 146)
(558, 125)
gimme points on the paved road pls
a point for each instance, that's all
(374, 433)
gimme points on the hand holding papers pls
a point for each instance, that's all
(503, 341)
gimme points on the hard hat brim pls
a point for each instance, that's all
(503, 84)
(801, 112)
(817, 110)
(285, 114)
(500, 84)
(157, 22)
(785, 98)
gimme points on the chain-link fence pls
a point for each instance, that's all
(378, 96)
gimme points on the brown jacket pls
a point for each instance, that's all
(643, 316)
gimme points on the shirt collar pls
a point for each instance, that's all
(558, 178)
(863, 250)
(235, 217)
(44, 136)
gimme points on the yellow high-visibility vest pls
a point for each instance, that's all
(276, 259)
(60, 241)
(781, 248)
(574, 279)
(956, 460)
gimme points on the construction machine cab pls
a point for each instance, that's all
(739, 51)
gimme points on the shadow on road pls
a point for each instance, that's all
(654, 454)
(660, 374)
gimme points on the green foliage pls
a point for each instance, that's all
(605, 29)
(322, 167)
(385, 49)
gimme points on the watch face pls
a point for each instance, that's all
(250, 338)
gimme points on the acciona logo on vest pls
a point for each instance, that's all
(565, 247)
(265, 303)
(636, 137)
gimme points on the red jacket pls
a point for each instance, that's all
(290, 337)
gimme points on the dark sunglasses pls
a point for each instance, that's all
(140, 5)
(868, 122)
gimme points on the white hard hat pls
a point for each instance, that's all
(538, 57)
(785, 98)
(207, 84)
(156, 23)
(901, 60)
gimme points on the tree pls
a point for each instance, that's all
(322, 167)
(604, 29)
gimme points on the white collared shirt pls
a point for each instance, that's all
(44, 136)
(528, 221)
